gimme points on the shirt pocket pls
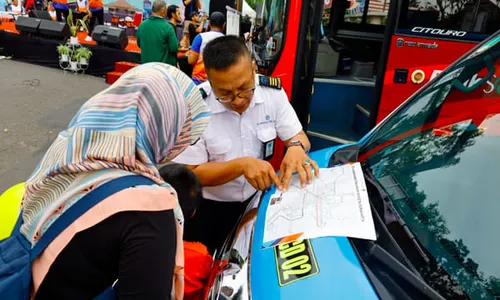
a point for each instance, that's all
(265, 134)
(218, 149)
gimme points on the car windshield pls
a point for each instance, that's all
(437, 159)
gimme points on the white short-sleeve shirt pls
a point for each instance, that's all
(230, 135)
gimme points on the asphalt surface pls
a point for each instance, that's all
(36, 103)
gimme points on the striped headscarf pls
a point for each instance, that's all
(145, 119)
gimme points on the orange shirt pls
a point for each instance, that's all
(93, 4)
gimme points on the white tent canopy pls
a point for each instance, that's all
(248, 11)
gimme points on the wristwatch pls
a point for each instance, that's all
(293, 143)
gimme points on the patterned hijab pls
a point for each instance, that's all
(145, 119)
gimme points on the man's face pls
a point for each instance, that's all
(195, 18)
(237, 79)
(177, 15)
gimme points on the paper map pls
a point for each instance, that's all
(335, 204)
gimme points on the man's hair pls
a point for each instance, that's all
(192, 14)
(158, 5)
(223, 52)
(171, 10)
(186, 184)
(217, 20)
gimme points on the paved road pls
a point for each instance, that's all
(36, 103)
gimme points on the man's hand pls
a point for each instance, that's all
(259, 173)
(296, 160)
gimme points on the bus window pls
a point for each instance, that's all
(270, 24)
(377, 11)
(459, 17)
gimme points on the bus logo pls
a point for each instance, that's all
(437, 31)
(401, 42)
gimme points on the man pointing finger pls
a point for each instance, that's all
(249, 112)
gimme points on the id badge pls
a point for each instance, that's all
(268, 149)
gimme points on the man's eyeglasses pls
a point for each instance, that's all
(242, 95)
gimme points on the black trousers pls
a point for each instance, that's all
(96, 19)
(60, 13)
(213, 222)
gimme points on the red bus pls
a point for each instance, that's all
(347, 64)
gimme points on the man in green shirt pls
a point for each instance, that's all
(156, 38)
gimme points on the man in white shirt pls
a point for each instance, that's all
(248, 113)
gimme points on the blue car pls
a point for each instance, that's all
(432, 170)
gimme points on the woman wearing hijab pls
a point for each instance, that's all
(134, 236)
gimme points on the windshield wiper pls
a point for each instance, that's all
(387, 251)
(391, 216)
(400, 271)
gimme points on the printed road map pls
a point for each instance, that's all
(335, 204)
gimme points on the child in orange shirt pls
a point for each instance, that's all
(197, 261)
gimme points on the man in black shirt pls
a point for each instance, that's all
(175, 19)
(196, 26)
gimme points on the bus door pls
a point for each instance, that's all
(428, 36)
(285, 37)
(347, 62)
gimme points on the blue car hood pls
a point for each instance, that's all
(338, 273)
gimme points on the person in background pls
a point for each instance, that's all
(39, 5)
(52, 11)
(135, 126)
(217, 24)
(156, 38)
(96, 13)
(184, 45)
(196, 26)
(185, 42)
(174, 15)
(230, 160)
(175, 19)
(82, 6)
(29, 5)
(62, 9)
(16, 7)
(191, 6)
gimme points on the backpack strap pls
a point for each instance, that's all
(19, 223)
(88, 201)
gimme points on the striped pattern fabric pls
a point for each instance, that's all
(142, 121)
